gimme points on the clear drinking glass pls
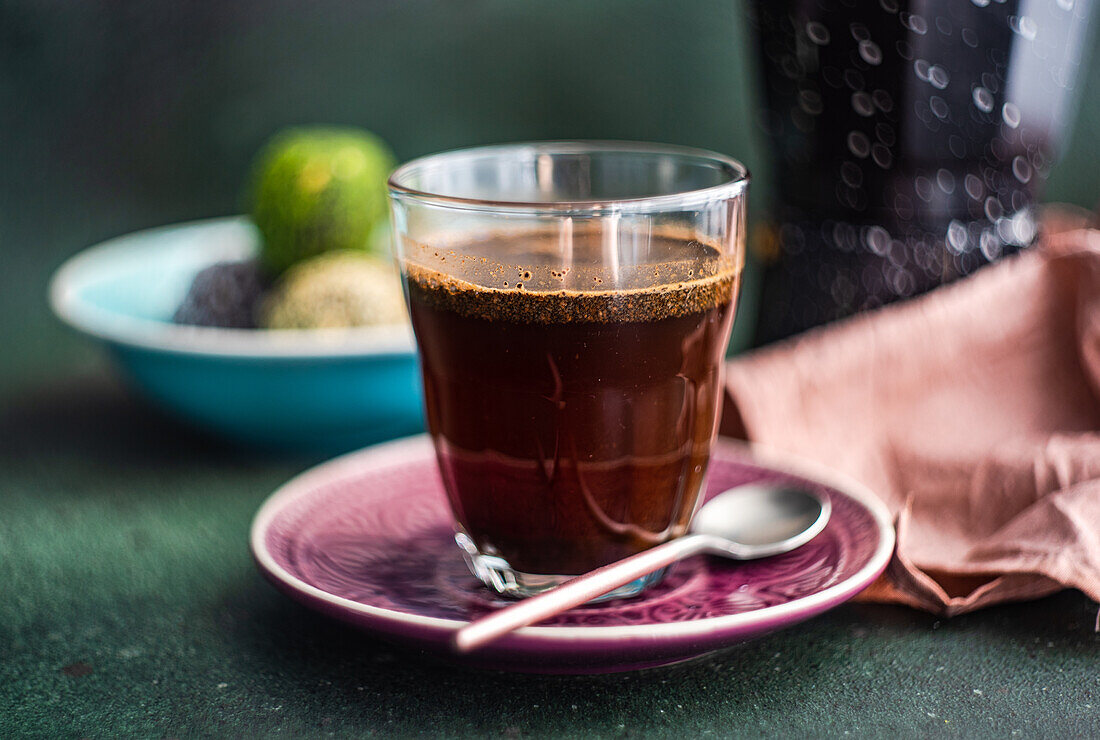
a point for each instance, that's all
(572, 303)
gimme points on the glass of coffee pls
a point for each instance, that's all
(572, 303)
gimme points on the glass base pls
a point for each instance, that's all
(497, 574)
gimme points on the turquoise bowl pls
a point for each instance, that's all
(308, 391)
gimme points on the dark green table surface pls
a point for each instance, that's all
(128, 601)
(130, 606)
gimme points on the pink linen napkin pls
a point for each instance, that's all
(973, 412)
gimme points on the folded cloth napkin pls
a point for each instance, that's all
(972, 411)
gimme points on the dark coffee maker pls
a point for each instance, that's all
(910, 139)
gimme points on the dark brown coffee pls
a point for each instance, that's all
(573, 428)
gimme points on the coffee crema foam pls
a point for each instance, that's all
(523, 281)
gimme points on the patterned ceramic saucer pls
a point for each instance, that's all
(367, 538)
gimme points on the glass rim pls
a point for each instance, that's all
(738, 178)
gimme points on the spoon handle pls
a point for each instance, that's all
(575, 591)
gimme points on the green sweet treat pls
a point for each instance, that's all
(317, 190)
(339, 289)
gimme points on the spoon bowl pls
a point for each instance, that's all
(758, 520)
(743, 523)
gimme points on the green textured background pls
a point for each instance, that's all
(121, 114)
(123, 535)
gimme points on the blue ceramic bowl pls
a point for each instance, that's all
(314, 391)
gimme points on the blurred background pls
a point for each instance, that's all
(119, 115)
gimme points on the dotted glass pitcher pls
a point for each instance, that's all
(910, 140)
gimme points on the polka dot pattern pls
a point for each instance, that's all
(911, 140)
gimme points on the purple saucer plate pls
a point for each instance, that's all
(367, 538)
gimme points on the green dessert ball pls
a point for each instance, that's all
(340, 289)
(317, 190)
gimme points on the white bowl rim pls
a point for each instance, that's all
(162, 336)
